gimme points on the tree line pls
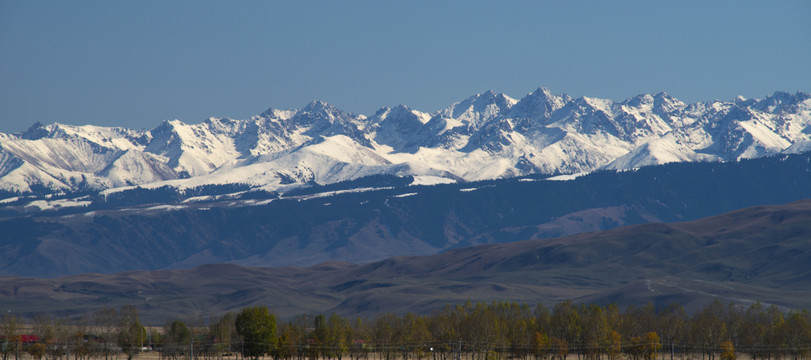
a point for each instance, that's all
(471, 331)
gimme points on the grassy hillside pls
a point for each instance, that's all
(755, 254)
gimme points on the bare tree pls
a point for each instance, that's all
(10, 330)
(106, 321)
(131, 334)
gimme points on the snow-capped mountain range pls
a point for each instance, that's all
(486, 136)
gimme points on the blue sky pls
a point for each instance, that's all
(137, 63)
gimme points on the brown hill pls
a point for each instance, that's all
(755, 254)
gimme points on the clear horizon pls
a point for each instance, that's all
(135, 64)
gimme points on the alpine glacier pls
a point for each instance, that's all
(486, 136)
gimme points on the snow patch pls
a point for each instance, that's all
(58, 204)
(166, 207)
(566, 177)
(10, 200)
(430, 180)
(337, 192)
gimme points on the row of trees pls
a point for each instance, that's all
(500, 330)
(106, 334)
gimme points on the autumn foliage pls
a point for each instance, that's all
(471, 331)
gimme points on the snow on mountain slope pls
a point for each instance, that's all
(330, 160)
(798, 148)
(9, 162)
(62, 157)
(319, 119)
(538, 105)
(641, 120)
(30, 178)
(112, 137)
(666, 149)
(479, 109)
(398, 127)
(192, 149)
(73, 154)
(485, 136)
(135, 167)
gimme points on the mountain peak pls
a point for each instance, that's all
(171, 123)
(269, 112)
(381, 111)
(538, 105)
(664, 103)
(782, 101)
(36, 131)
(317, 105)
(401, 107)
(603, 105)
(494, 97)
(277, 114)
(487, 97)
(639, 100)
(317, 111)
(558, 134)
(479, 108)
(541, 90)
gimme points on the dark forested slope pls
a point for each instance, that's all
(337, 223)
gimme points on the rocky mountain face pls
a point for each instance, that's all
(487, 136)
